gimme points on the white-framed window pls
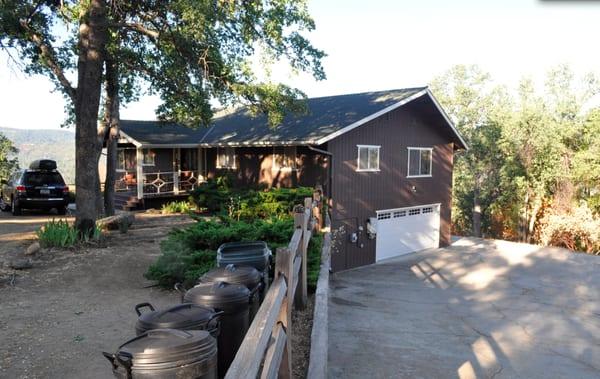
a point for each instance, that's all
(226, 157)
(419, 162)
(284, 157)
(148, 157)
(126, 159)
(368, 158)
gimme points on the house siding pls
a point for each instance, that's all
(358, 195)
(254, 167)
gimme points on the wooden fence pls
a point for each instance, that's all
(266, 351)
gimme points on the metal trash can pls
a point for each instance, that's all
(244, 275)
(166, 353)
(233, 301)
(185, 316)
(256, 254)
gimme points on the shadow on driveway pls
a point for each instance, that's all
(476, 309)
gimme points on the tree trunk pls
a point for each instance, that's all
(476, 212)
(92, 41)
(537, 205)
(112, 118)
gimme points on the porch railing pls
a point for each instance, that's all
(160, 183)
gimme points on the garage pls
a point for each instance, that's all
(406, 230)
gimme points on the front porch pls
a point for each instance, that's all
(158, 172)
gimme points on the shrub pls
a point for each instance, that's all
(177, 207)
(188, 253)
(314, 260)
(218, 197)
(578, 230)
(61, 234)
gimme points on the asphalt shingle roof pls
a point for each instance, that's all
(326, 115)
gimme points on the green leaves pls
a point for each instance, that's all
(8, 159)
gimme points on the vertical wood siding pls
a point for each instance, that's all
(357, 195)
(254, 167)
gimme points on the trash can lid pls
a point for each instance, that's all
(219, 295)
(246, 275)
(164, 348)
(180, 316)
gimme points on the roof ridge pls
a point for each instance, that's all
(420, 88)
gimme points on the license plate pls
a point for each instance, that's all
(44, 192)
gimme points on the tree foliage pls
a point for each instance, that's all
(534, 157)
(193, 54)
(8, 159)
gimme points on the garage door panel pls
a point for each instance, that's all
(405, 230)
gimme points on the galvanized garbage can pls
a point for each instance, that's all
(166, 353)
(185, 316)
(233, 301)
(245, 275)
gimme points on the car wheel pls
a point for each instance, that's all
(61, 211)
(16, 210)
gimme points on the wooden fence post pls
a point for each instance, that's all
(284, 265)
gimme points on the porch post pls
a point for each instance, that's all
(176, 170)
(139, 155)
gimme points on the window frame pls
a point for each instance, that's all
(420, 150)
(368, 147)
(228, 150)
(146, 153)
(121, 164)
(286, 150)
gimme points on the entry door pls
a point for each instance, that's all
(406, 230)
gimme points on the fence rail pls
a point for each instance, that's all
(266, 351)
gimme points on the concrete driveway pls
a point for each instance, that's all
(28, 222)
(477, 309)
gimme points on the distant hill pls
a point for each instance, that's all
(33, 144)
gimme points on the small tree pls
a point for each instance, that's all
(8, 159)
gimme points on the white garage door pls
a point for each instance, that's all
(404, 230)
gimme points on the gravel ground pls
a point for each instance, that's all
(301, 330)
(58, 317)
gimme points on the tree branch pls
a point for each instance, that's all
(50, 57)
(140, 29)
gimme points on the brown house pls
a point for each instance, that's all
(384, 158)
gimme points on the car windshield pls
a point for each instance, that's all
(41, 177)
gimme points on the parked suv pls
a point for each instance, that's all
(39, 187)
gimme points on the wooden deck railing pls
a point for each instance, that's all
(266, 351)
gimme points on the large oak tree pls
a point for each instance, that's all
(192, 54)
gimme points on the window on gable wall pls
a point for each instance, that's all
(284, 157)
(368, 158)
(225, 157)
(419, 161)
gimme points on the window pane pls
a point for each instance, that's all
(425, 162)
(413, 162)
(363, 158)
(374, 158)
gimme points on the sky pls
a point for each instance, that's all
(385, 44)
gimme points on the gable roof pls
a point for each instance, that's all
(327, 118)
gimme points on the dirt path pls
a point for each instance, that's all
(30, 221)
(59, 316)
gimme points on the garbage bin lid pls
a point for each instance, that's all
(218, 295)
(180, 316)
(246, 275)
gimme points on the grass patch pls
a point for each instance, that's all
(177, 207)
(61, 234)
